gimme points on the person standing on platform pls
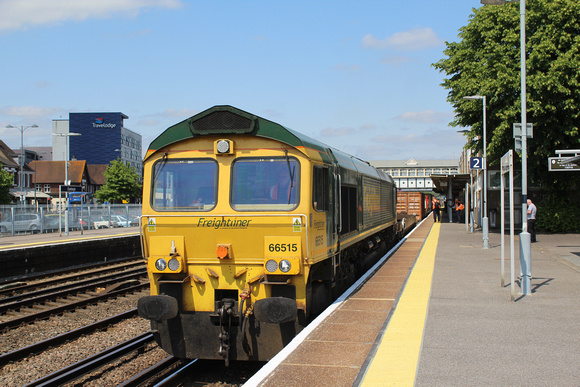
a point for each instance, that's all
(532, 220)
(458, 208)
(436, 210)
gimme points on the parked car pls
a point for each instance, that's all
(22, 222)
(101, 222)
(51, 222)
(121, 221)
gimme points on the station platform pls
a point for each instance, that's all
(450, 322)
(8, 241)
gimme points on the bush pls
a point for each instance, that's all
(558, 216)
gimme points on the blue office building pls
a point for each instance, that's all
(103, 138)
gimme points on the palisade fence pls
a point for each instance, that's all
(43, 218)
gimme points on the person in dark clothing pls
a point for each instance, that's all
(436, 210)
(458, 208)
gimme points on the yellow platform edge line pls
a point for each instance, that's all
(66, 240)
(397, 357)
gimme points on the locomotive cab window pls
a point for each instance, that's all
(184, 185)
(265, 184)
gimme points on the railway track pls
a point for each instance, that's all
(90, 364)
(47, 311)
(54, 341)
(30, 283)
(168, 372)
(39, 297)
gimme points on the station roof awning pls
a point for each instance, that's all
(37, 195)
(30, 194)
(442, 182)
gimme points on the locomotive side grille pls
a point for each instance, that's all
(373, 212)
(222, 122)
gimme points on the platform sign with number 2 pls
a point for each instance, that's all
(476, 163)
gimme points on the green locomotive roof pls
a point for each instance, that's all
(227, 120)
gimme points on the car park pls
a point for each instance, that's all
(51, 222)
(102, 222)
(121, 221)
(22, 222)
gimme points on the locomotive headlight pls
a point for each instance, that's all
(173, 264)
(223, 146)
(285, 266)
(160, 264)
(271, 265)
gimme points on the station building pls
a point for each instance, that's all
(416, 175)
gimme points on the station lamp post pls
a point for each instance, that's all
(525, 240)
(66, 181)
(471, 204)
(22, 128)
(485, 220)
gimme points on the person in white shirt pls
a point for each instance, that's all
(532, 220)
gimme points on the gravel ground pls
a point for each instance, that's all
(42, 364)
(34, 367)
(121, 370)
(41, 330)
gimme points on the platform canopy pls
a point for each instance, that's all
(458, 182)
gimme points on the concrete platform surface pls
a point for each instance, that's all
(473, 333)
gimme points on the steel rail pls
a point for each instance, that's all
(63, 308)
(150, 372)
(38, 297)
(89, 364)
(20, 279)
(23, 352)
(174, 377)
(23, 287)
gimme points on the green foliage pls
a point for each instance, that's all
(486, 61)
(557, 215)
(6, 181)
(121, 183)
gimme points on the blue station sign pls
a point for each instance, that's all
(476, 163)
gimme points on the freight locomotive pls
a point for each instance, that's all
(250, 229)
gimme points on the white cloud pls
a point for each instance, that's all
(425, 116)
(20, 14)
(29, 111)
(411, 40)
(368, 127)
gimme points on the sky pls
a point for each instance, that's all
(356, 75)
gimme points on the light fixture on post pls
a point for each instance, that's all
(66, 181)
(525, 240)
(470, 205)
(22, 128)
(485, 220)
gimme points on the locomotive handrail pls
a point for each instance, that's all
(339, 192)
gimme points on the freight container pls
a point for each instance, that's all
(415, 203)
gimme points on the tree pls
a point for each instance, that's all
(121, 183)
(6, 181)
(486, 61)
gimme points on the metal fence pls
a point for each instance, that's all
(22, 219)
